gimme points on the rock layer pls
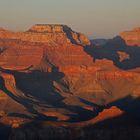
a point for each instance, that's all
(61, 34)
(52, 76)
(132, 38)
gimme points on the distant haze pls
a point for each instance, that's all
(95, 18)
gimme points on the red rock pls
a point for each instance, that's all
(108, 114)
(57, 42)
(132, 38)
(47, 34)
(44, 47)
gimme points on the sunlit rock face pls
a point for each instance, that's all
(132, 38)
(63, 31)
(57, 54)
(46, 72)
(44, 46)
(45, 33)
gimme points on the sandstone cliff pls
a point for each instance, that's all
(132, 38)
(47, 72)
(61, 34)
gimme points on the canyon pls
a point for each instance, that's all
(54, 76)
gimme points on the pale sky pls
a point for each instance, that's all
(95, 18)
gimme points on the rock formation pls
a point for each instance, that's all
(47, 74)
(132, 38)
(61, 34)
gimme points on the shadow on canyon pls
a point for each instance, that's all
(129, 105)
(36, 90)
(117, 128)
(39, 92)
(4, 132)
(69, 35)
(110, 51)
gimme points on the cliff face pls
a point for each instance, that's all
(54, 45)
(132, 38)
(16, 55)
(47, 73)
(61, 34)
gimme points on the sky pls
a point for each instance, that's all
(94, 18)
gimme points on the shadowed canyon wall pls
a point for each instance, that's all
(52, 73)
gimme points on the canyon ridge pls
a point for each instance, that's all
(51, 73)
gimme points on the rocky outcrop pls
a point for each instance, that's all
(68, 59)
(46, 74)
(132, 38)
(61, 34)
(44, 46)
(47, 70)
(123, 56)
(108, 114)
